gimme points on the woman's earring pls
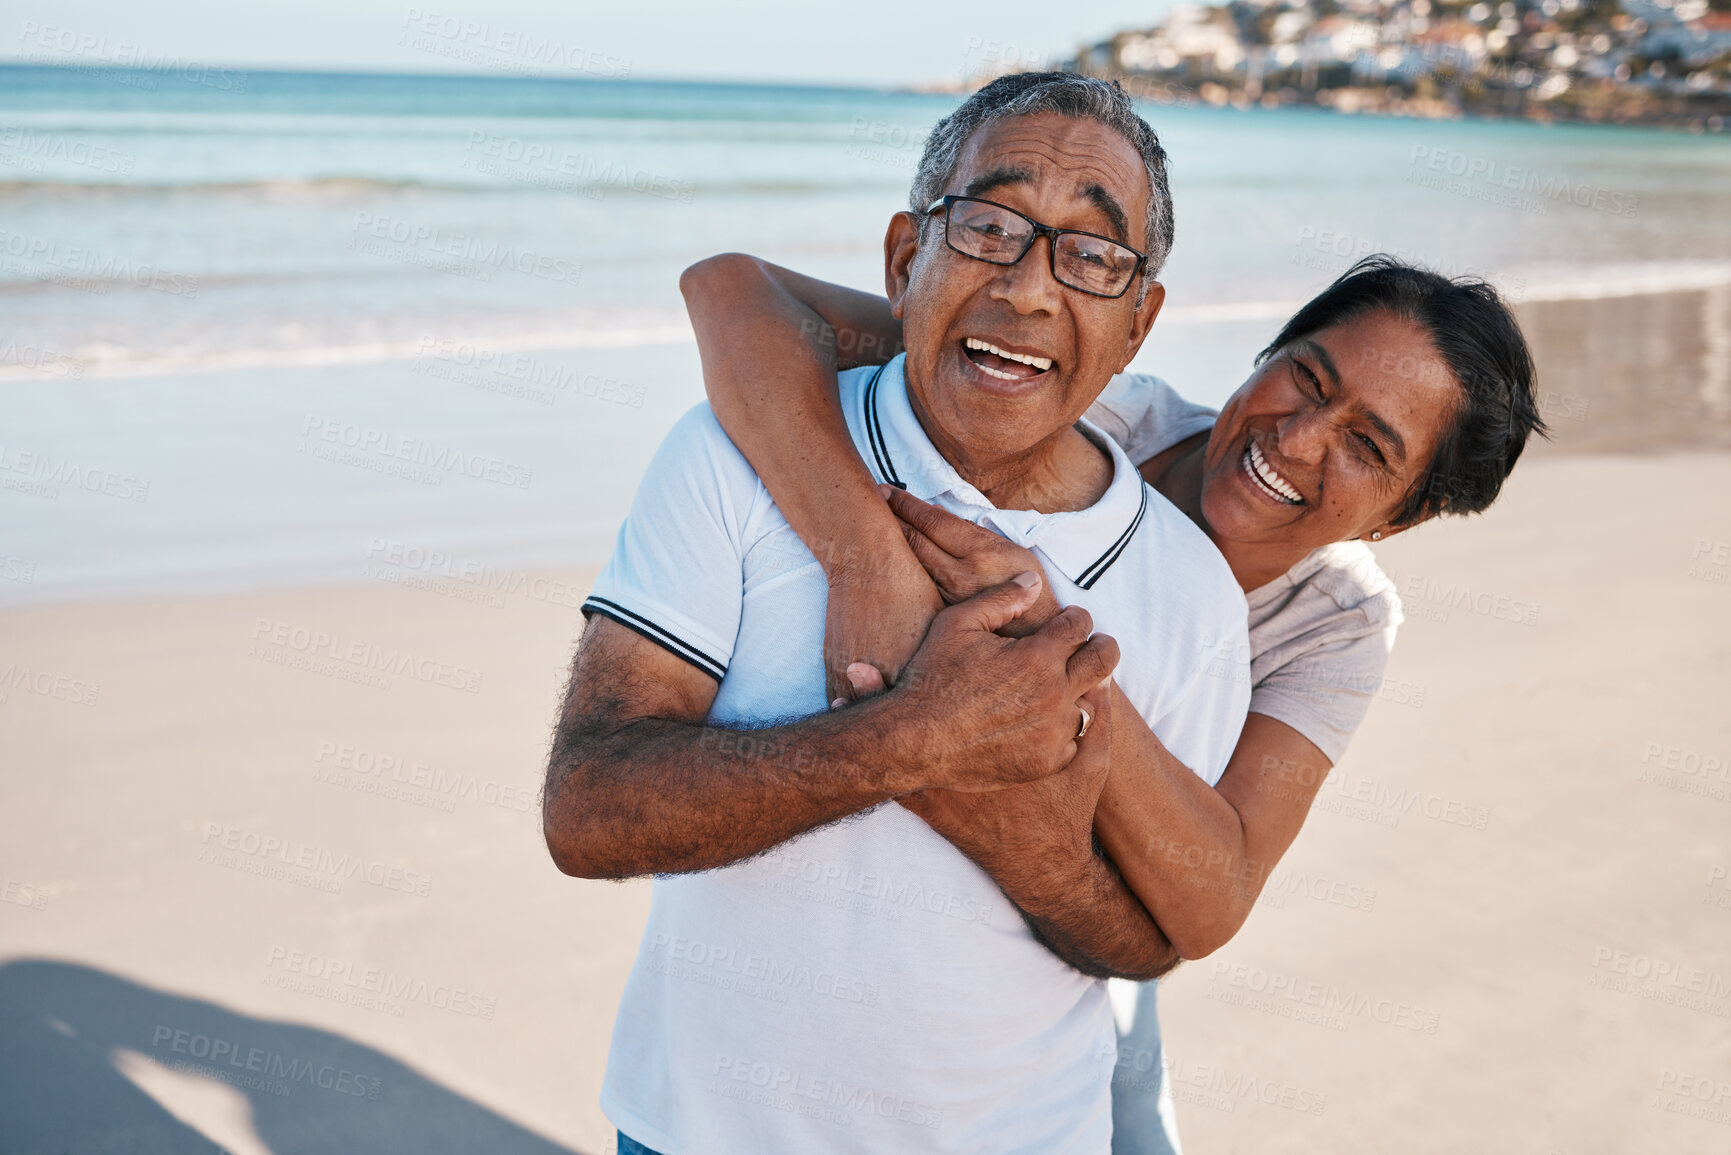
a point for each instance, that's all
(1376, 535)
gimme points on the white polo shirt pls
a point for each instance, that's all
(865, 987)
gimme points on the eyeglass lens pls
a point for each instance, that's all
(1000, 236)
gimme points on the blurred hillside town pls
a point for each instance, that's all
(1613, 61)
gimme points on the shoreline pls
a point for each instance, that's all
(1605, 280)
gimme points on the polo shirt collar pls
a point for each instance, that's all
(1081, 543)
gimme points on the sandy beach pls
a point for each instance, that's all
(333, 345)
(265, 892)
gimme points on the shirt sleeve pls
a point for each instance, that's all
(676, 574)
(1146, 416)
(1325, 691)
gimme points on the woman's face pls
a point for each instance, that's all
(1324, 441)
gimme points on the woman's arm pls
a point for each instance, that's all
(1196, 856)
(771, 342)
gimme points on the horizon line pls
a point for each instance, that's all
(72, 64)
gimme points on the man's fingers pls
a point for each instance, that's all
(947, 531)
(1068, 629)
(1099, 700)
(995, 607)
(1092, 663)
(1096, 705)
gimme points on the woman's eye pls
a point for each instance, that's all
(1371, 446)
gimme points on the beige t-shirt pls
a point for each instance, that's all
(1321, 633)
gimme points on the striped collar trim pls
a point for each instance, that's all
(1084, 544)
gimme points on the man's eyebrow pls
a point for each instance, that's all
(997, 178)
(1096, 195)
(1110, 208)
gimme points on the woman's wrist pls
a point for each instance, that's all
(865, 550)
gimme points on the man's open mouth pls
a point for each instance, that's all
(1270, 482)
(1003, 363)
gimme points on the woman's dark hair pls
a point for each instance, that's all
(1472, 328)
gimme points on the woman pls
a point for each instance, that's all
(1394, 396)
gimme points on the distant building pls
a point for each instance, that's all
(1646, 60)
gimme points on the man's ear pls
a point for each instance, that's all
(901, 246)
(1142, 322)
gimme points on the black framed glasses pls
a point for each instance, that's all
(999, 235)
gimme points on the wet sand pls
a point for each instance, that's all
(1642, 374)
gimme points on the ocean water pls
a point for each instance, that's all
(268, 327)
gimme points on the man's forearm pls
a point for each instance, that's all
(661, 797)
(1093, 922)
(637, 785)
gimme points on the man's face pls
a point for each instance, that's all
(1062, 171)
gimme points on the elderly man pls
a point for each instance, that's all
(926, 975)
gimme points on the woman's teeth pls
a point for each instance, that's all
(1038, 364)
(1263, 474)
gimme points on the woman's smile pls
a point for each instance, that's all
(1266, 479)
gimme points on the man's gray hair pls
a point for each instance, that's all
(1027, 93)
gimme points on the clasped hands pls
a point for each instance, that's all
(1006, 679)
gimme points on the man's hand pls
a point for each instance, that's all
(997, 711)
(1048, 822)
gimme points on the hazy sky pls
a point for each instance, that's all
(880, 42)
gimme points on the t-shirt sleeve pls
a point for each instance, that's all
(1146, 416)
(675, 576)
(1325, 691)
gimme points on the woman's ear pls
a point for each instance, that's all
(901, 246)
(1389, 528)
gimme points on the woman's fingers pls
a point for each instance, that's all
(946, 531)
(865, 678)
(940, 565)
(991, 610)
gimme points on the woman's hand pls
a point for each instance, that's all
(880, 605)
(963, 558)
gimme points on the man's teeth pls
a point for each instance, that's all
(1257, 466)
(1040, 363)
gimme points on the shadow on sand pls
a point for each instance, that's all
(64, 1027)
